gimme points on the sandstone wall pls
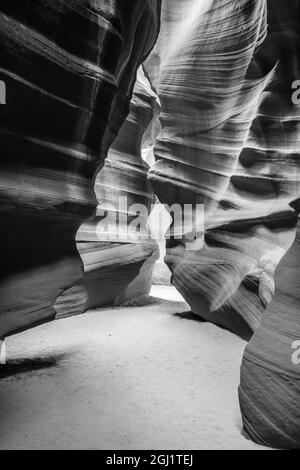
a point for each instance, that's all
(69, 69)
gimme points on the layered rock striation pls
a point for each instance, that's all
(69, 69)
(270, 374)
(225, 74)
(116, 248)
(228, 142)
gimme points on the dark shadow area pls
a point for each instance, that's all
(243, 333)
(26, 365)
(189, 316)
(141, 301)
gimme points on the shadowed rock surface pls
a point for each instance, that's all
(270, 375)
(224, 73)
(119, 258)
(229, 141)
(69, 68)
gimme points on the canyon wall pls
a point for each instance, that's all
(228, 139)
(269, 390)
(228, 142)
(224, 72)
(69, 69)
(270, 374)
(119, 256)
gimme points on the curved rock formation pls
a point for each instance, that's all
(225, 72)
(118, 262)
(229, 140)
(215, 67)
(270, 374)
(67, 97)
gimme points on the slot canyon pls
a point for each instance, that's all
(159, 103)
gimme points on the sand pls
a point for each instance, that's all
(148, 376)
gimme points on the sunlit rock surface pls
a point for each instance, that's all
(228, 138)
(224, 74)
(270, 374)
(119, 257)
(229, 141)
(69, 69)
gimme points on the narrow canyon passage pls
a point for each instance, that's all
(112, 110)
(124, 378)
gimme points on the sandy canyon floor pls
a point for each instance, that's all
(148, 376)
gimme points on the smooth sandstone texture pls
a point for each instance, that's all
(69, 69)
(118, 255)
(270, 374)
(224, 72)
(229, 140)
